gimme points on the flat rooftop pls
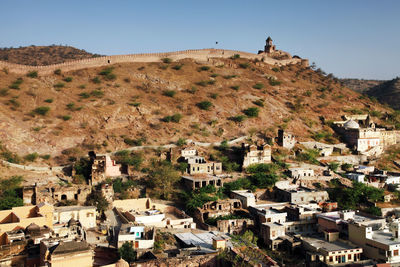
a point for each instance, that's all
(385, 237)
(328, 246)
(73, 208)
(334, 216)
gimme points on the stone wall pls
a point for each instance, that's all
(200, 55)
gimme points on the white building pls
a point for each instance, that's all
(245, 196)
(139, 236)
(86, 215)
(357, 177)
(301, 172)
(392, 180)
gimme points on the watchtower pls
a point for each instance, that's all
(269, 46)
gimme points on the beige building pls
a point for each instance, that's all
(245, 196)
(55, 193)
(286, 140)
(21, 217)
(301, 172)
(57, 253)
(360, 133)
(379, 243)
(144, 211)
(86, 215)
(330, 251)
(199, 181)
(253, 154)
(301, 195)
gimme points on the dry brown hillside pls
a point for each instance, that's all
(111, 109)
(43, 55)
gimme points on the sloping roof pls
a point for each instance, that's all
(70, 246)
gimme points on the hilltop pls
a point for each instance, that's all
(361, 85)
(43, 55)
(387, 92)
(127, 104)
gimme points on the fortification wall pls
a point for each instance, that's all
(200, 55)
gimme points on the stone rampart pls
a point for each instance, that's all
(200, 55)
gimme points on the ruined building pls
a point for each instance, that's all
(286, 140)
(197, 164)
(269, 47)
(253, 154)
(102, 167)
(227, 216)
(55, 193)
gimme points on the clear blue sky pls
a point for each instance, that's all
(350, 38)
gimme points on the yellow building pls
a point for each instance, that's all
(21, 217)
(65, 253)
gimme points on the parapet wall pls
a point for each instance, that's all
(200, 54)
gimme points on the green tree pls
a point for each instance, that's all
(127, 252)
(97, 199)
(163, 177)
(334, 166)
(251, 112)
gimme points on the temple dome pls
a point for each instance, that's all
(351, 125)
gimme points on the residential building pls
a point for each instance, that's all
(148, 213)
(379, 242)
(356, 177)
(301, 172)
(56, 253)
(22, 217)
(253, 154)
(199, 181)
(245, 196)
(102, 167)
(86, 215)
(140, 237)
(330, 252)
(286, 140)
(301, 195)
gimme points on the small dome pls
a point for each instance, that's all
(121, 263)
(351, 125)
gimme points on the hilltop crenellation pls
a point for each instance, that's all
(203, 55)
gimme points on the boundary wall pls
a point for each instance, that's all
(199, 54)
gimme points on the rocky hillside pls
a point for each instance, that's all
(43, 55)
(387, 92)
(130, 104)
(361, 85)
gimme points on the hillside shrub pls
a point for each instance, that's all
(177, 67)
(244, 65)
(31, 157)
(203, 68)
(214, 95)
(97, 93)
(66, 117)
(238, 118)
(259, 102)
(49, 100)
(32, 74)
(235, 87)
(68, 79)
(258, 86)
(3, 92)
(169, 93)
(84, 95)
(275, 69)
(274, 82)
(43, 110)
(174, 118)
(204, 105)
(59, 85)
(57, 72)
(228, 77)
(15, 85)
(251, 112)
(107, 74)
(166, 60)
(96, 80)
(235, 56)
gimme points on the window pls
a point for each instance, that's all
(396, 252)
(330, 258)
(349, 257)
